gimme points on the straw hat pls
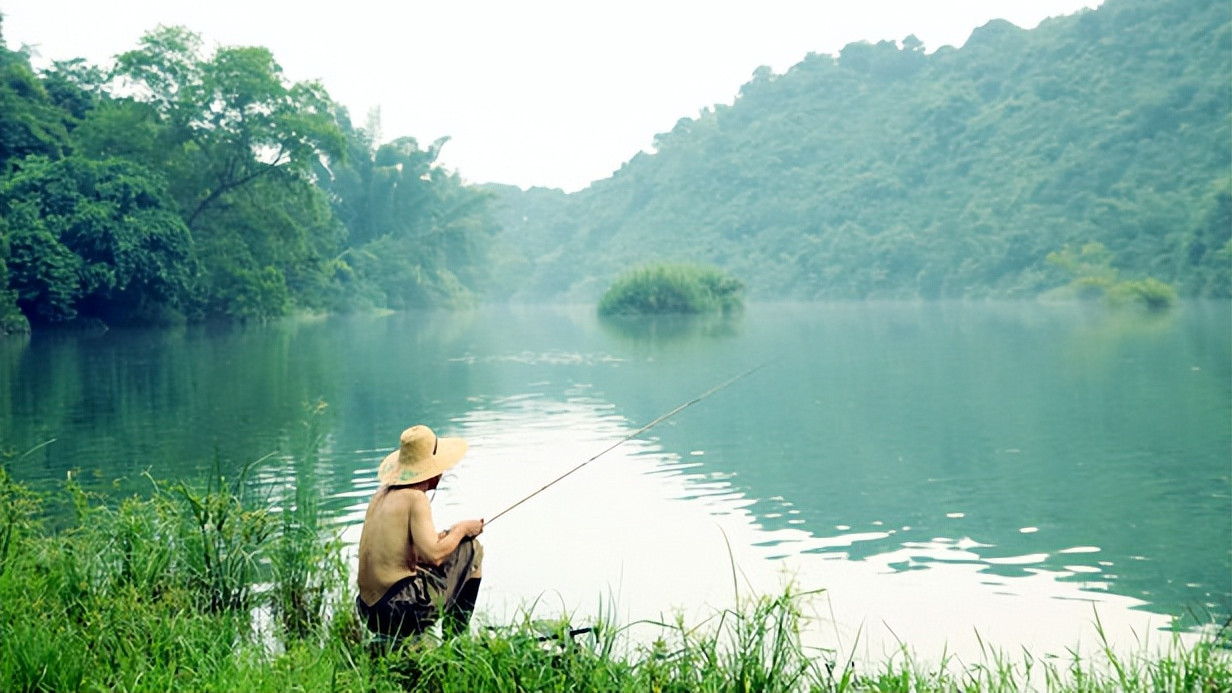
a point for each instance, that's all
(420, 456)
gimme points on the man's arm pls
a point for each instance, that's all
(431, 546)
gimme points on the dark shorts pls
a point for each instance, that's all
(411, 605)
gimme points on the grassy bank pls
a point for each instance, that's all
(225, 585)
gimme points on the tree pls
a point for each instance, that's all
(417, 233)
(241, 148)
(232, 117)
(11, 318)
(42, 272)
(267, 248)
(98, 239)
(288, 205)
(74, 86)
(29, 122)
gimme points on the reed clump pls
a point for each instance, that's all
(672, 289)
(217, 587)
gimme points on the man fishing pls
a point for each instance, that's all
(409, 574)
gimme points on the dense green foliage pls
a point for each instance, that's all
(886, 171)
(99, 236)
(183, 184)
(883, 171)
(211, 588)
(672, 289)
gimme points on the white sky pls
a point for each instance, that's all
(555, 93)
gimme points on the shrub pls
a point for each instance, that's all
(1150, 292)
(1092, 276)
(672, 288)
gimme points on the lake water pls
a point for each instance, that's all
(946, 472)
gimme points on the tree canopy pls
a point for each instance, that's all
(93, 236)
(180, 183)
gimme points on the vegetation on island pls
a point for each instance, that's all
(672, 289)
(177, 183)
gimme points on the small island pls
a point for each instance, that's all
(667, 289)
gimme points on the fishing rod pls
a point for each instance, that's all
(635, 434)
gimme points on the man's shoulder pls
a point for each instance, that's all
(405, 496)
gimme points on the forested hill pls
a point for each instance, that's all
(1101, 139)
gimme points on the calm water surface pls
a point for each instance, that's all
(936, 468)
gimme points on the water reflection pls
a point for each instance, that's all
(662, 330)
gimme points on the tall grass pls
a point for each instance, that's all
(306, 559)
(19, 507)
(229, 529)
(672, 289)
(159, 593)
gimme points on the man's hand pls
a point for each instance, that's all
(473, 528)
(469, 528)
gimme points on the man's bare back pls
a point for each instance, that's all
(386, 554)
(399, 521)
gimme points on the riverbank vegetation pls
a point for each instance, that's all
(178, 183)
(236, 585)
(672, 289)
(1094, 277)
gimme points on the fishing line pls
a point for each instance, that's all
(635, 434)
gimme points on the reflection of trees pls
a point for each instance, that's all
(1091, 425)
(679, 330)
(12, 348)
(171, 402)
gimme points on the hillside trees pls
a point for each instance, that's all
(418, 235)
(883, 171)
(888, 172)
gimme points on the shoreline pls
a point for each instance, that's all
(131, 607)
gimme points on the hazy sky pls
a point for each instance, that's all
(555, 93)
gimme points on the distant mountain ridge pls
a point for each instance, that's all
(889, 172)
